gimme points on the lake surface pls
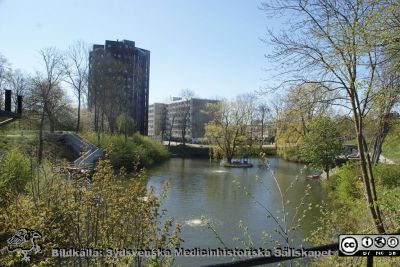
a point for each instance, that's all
(202, 188)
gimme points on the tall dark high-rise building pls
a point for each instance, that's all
(119, 83)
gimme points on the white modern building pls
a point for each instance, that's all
(172, 117)
(157, 119)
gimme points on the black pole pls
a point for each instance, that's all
(370, 261)
(8, 101)
(19, 104)
(272, 259)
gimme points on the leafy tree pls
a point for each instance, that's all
(184, 113)
(227, 131)
(125, 124)
(302, 104)
(332, 44)
(322, 144)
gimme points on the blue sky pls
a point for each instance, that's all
(209, 46)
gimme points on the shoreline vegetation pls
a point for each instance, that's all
(78, 213)
(204, 152)
(125, 153)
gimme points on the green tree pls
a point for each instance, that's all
(322, 144)
(333, 45)
(125, 124)
(227, 131)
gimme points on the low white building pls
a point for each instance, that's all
(156, 120)
(193, 113)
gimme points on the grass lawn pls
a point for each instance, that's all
(391, 146)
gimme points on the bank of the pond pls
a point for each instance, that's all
(203, 151)
(189, 151)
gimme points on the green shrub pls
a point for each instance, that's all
(348, 183)
(109, 212)
(387, 175)
(15, 172)
(125, 154)
(346, 209)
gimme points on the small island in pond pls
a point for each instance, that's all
(237, 164)
(244, 163)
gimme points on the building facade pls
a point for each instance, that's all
(119, 75)
(171, 118)
(157, 120)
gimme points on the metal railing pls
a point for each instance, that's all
(273, 259)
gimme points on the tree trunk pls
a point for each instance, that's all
(79, 113)
(96, 116)
(327, 172)
(162, 135)
(40, 149)
(383, 130)
(251, 136)
(170, 132)
(262, 132)
(367, 180)
(183, 135)
(102, 121)
(52, 124)
(51, 119)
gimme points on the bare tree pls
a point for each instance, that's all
(18, 83)
(76, 66)
(330, 44)
(163, 124)
(4, 70)
(263, 111)
(184, 112)
(277, 107)
(171, 127)
(383, 104)
(388, 89)
(249, 108)
(45, 83)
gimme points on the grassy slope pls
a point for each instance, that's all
(391, 146)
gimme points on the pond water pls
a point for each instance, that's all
(199, 187)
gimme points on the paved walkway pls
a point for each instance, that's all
(383, 159)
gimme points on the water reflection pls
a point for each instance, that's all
(200, 188)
